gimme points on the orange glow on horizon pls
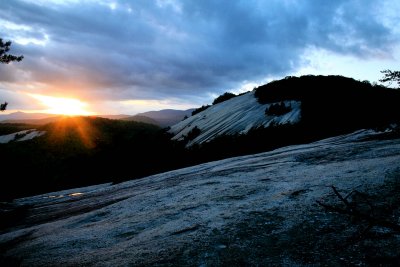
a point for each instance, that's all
(78, 126)
(62, 106)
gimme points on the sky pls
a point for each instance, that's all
(125, 57)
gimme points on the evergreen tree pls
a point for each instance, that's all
(6, 58)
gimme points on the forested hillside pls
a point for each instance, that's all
(81, 151)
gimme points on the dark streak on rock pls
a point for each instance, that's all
(187, 229)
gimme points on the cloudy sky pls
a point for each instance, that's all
(120, 56)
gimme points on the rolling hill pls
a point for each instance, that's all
(235, 116)
(313, 106)
(77, 151)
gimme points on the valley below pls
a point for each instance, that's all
(258, 209)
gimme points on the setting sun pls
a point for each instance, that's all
(61, 105)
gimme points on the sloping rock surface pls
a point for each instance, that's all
(252, 210)
(237, 115)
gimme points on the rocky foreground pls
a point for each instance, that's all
(253, 210)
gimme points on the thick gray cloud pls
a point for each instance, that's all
(158, 49)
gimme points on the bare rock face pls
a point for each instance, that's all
(237, 115)
(21, 136)
(252, 210)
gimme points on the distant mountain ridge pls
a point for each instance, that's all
(140, 118)
(161, 118)
(43, 118)
(16, 116)
(34, 121)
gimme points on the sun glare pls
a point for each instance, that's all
(64, 106)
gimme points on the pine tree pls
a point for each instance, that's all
(6, 58)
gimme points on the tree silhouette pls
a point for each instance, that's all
(6, 58)
(391, 76)
(224, 97)
(3, 106)
(278, 109)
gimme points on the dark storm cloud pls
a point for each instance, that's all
(158, 49)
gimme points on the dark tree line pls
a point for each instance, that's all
(332, 105)
(225, 96)
(278, 109)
